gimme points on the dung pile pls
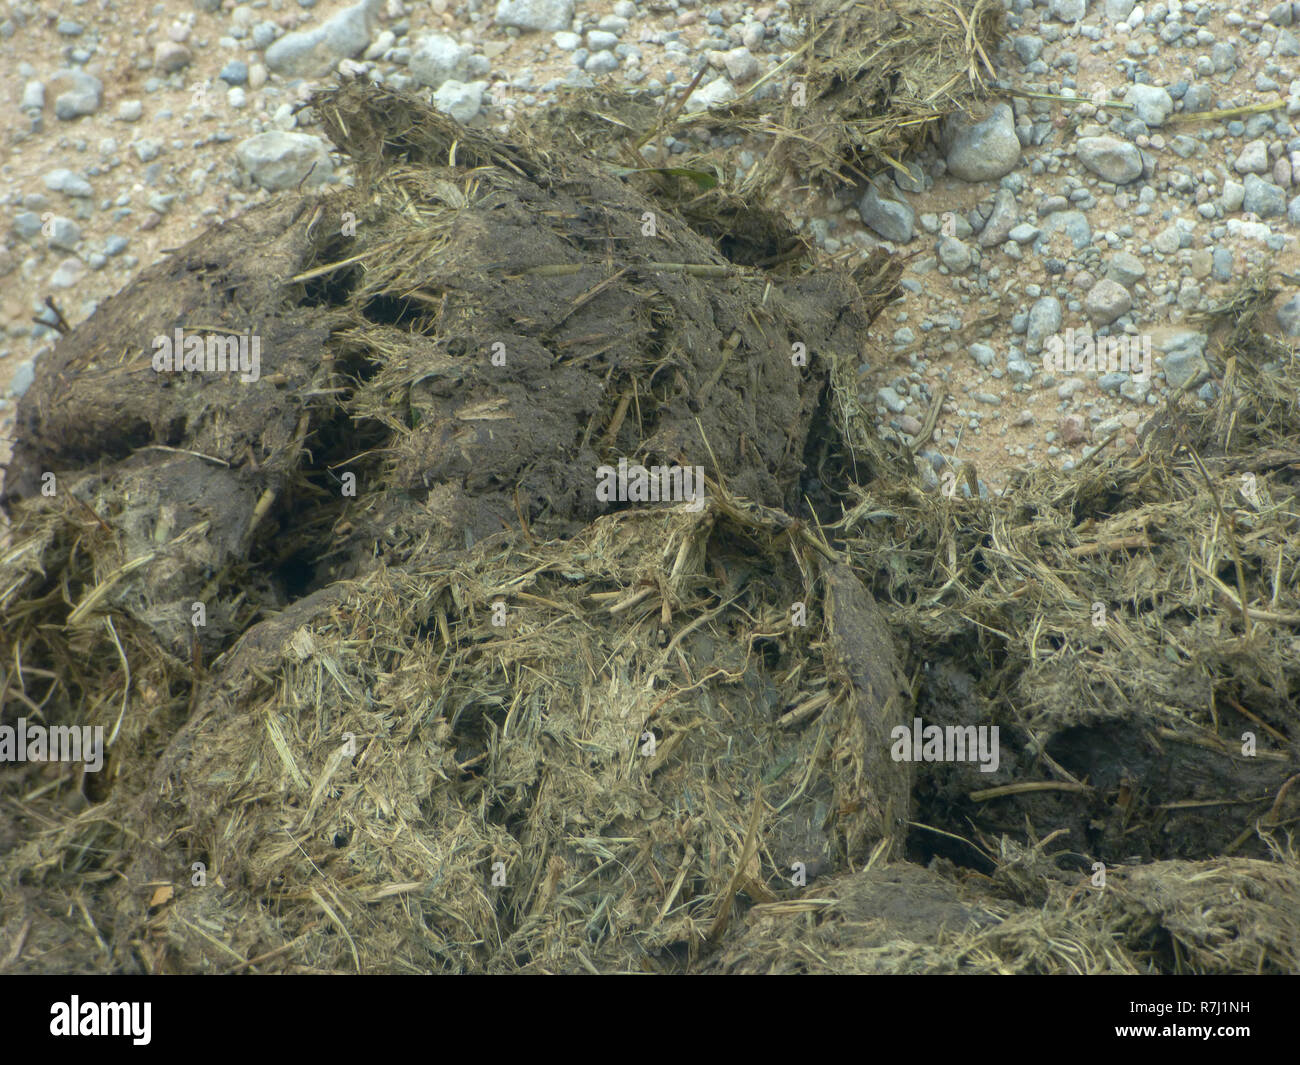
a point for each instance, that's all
(388, 685)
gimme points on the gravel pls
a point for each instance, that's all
(1001, 220)
(985, 150)
(535, 14)
(1152, 105)
(62, 233)
(461, 100)
(316, 51)
(33, 97)
(605, 62)
(1184, 359)
(1044, 320)
(235, 72)
(956, 255)
(1263, 198)
(70, 184)
(439, 58)
(1110, 159)
(893, 220)
(1106, 301)
(1288, 316)
(79, 94)
(279, 160)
